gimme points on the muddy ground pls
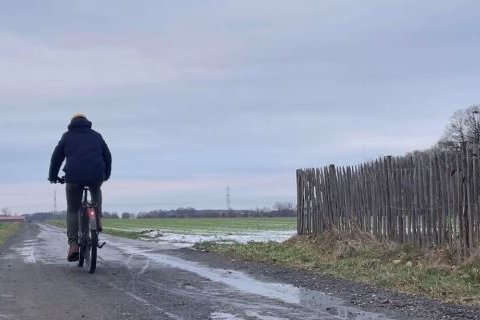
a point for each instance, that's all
(144, 280)
(366, 297)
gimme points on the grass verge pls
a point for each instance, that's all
(7, 230)
(438, 274)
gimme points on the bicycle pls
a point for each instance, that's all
(88, 229)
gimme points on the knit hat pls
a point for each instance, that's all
(79, 115)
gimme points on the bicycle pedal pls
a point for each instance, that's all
(101, 245)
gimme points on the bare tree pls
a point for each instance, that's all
(283, 206)
(472, 120)
(464, 127)
(6, 212)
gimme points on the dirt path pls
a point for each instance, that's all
(140, 280)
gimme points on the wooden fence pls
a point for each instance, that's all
(425, 200)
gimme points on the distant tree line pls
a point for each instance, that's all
(43, 216)
(193, 213)
(280, 209)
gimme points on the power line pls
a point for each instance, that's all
(228, 198)
(55, 201)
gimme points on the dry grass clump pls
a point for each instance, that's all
(338, 245)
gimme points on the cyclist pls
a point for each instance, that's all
(88, 163)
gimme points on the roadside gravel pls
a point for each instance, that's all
(366, 297)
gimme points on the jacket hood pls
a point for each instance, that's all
(79, 122)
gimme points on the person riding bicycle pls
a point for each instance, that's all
(88, 163)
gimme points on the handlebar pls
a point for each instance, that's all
(60, 180)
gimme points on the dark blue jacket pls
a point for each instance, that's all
(88, 157)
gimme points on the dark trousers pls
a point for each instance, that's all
(74, 203)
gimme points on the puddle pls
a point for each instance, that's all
(50, 247)
(262, 317)
(286, 293)
(27, 251)
(224, 316)
(239, 280)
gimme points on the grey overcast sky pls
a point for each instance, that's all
(194, 95)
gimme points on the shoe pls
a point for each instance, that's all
(73, 252)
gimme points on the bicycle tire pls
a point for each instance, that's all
(93, 255)
(81, 257)
(83, 223)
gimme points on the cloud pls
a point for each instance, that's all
(188, 94)
(31, 67)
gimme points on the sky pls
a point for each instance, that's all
(192, 96)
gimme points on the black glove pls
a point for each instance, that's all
(56, 180)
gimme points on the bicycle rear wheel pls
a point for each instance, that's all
(93, 251)
(83, 225)
(81, 257)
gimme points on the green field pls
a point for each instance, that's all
(131, 228)
(187, 225)
(7, 230)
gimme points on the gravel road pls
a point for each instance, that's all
(143, 280)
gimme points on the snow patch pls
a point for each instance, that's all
(191, 239)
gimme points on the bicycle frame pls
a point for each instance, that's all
(90, 210)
